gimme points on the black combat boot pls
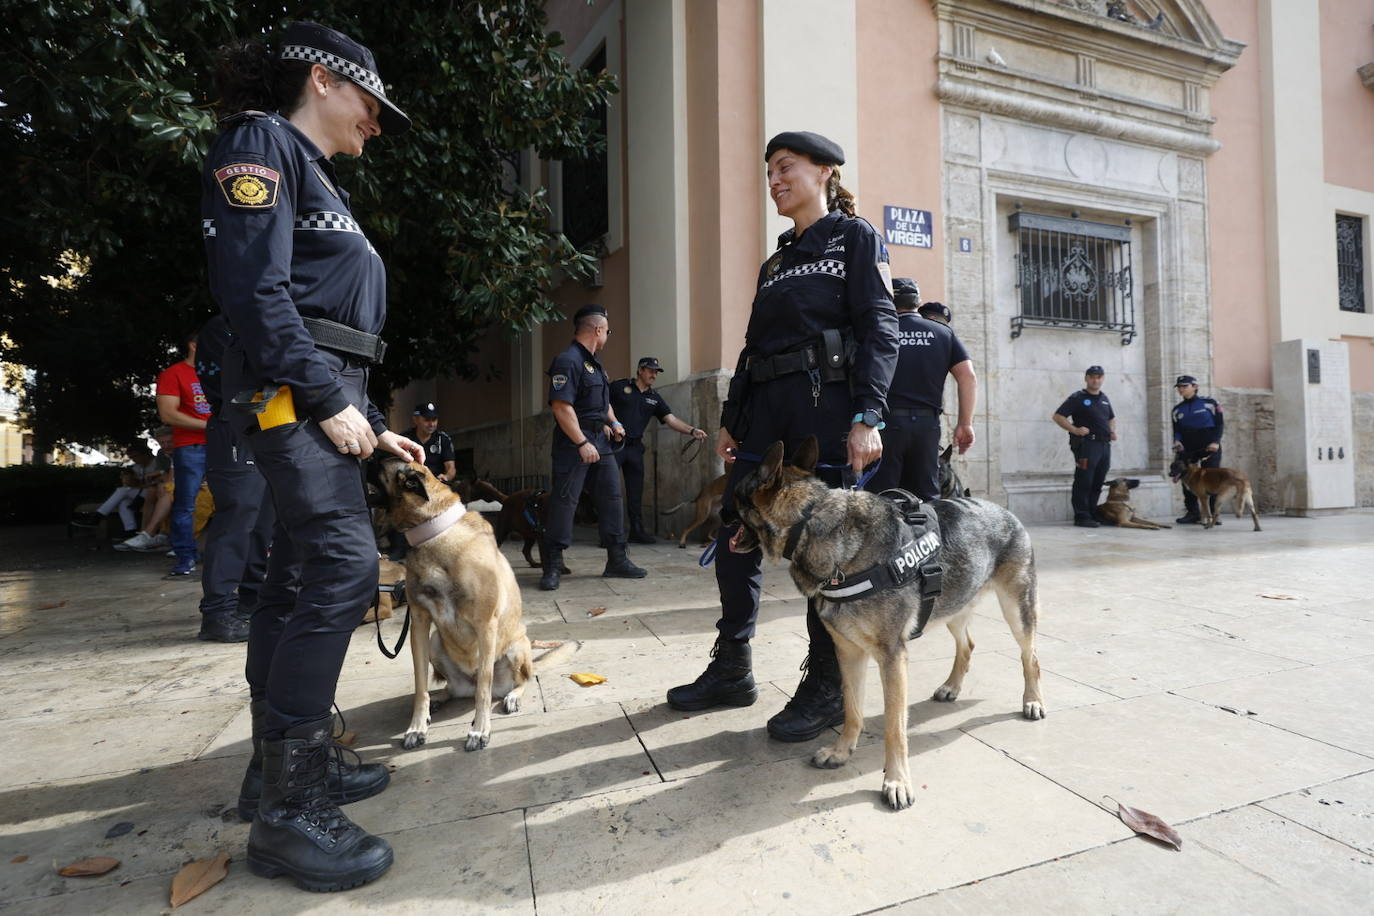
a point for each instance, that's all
(301, 833)
(346, 782)
(818, 703)
(553, 567)
(727, 681)
(638, 535)
(224, 626)
(618, 565)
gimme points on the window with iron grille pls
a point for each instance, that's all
(1074, 274)
(586, 182)
(1350, 261)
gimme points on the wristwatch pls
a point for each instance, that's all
(869, 417)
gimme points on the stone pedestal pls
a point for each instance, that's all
(1313, 433)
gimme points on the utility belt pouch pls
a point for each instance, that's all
(274, 408)
(834, 358)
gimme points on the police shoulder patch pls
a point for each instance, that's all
(885, 272)
(559, 381)
(248, 186)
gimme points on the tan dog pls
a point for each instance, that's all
(1117, 508)
(1206, 483)
(458, 581)
(707, 504)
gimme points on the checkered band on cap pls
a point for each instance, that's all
(358, 74)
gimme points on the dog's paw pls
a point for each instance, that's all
(413, 740)
(476, 741)
(830, 758)
(681, 546)
(897, 793)
(945, 694)
(511, 703)
(1035, 709)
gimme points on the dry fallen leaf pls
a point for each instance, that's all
(596, 612)
(545, 643)
(94, 866)
(587, 680)
(49, 607)
(347, 739)
(18, 859)
(1281, 597)
(195, 878)
(1146, 823)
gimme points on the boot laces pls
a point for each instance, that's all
(309, 798)
(814, 684)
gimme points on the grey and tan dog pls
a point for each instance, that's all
(1117, 509)
(835, 533)
(459, 583)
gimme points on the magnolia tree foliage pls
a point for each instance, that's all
(108, 110)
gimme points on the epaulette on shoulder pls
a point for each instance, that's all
(243, 117)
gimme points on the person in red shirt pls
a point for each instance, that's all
(182, 405)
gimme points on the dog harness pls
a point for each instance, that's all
(429, 530)
(918, 560)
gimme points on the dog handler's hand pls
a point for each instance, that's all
(401, 447)
(726, 446)
(865, 446)
(588, 453)
(1213, 446)
(350, 432)
(963, 437)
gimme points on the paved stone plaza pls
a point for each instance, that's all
(1172, 683)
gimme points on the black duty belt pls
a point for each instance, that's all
(911, 412)
(767, 368)
(341, 338)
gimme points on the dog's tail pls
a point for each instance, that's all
(685, 502)
(555, 654)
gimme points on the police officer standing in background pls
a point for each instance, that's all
(579, 394)
(929, 351)
(439, 454)
(1198, 426)
(1088, 418)
(635, 401)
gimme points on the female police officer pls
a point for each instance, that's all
(819, 354)
(305, 295)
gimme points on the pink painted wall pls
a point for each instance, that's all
(1347, 35)
(1240, 325)
(899, 128)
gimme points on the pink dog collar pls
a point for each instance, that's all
(428, 531)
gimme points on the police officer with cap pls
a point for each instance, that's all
(819, 353)
(1198, 424)
(636, 402)
(440, 457)
(304, 292)
(579, 394)
(1088, 418)
(929, 351)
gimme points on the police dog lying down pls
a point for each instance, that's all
(836, 535)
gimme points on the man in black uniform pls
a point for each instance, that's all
(1198, 425)
(1088, 418)
(439, 454)
(579, 394)
(240, 531)
(635, 401)
(928, 352)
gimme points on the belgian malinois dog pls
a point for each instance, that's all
(841, 533)
(706, 504)
(1218, 483)
(1117, 508)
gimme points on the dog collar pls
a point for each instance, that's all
(795, 532)
(428, 531)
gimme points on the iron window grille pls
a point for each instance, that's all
(1073, 274)
(1350, 261)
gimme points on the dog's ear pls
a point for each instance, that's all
(414, 481)
(1132, 483)
(771, 464)
(807, 455)
(949, 450)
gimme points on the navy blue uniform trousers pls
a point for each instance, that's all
(1092, 460)
(911, 453)
(780, 410)
(631, 461)
(240, 531)
(569, 473)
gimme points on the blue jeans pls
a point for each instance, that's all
(188, 472)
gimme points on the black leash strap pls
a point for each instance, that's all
(398, 594)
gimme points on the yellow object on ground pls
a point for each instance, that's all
(587, 680)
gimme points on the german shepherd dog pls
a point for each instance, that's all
(848, 531)
(459, 582)
(950, 484)
(1218, 483)
(707, 504)
(1117, 508)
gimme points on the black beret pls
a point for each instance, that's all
(1185, 380)
(905, 293)
(587, 310)
(821, 150)
(937, 310)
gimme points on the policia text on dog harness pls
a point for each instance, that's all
(917, 559)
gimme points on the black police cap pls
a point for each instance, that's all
(1184, 380)
(1094, 370)
(905, 293)
(650, 362)
(937, 310)
(317, 44)
(589, 310)
(427, 410)
(822, 150)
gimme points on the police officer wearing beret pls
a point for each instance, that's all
(819, 353)
(1198, 424)
(579, 395)
(440, 457)
(240, 531)
(929, 351)
(636, 402)
(304, 293)
(1088, 418)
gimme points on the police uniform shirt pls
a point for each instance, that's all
(575, 376)
(438, 449)
(1090, 410)
(211, 342)
(282, 244)
(928, 350)
(835, 276)
(634, 408)
(1198, 419)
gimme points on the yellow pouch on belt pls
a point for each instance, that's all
(277, 408)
